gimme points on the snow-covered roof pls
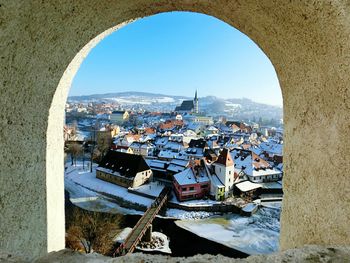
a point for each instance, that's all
(269, 171)
(183, 163)
(175, 168)
(247, 186)
(156, 163)
(187, 177)
(242, 160)
(188, 133)
(161, 140)
(194, 126)
(216, 181)
(173, 145)
(256, 150)
(147, 145)
(194, 152)
(272, 147)
(168, 154)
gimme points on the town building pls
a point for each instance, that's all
(195, 150)
(144, 149)
(255, 168)
(189, 106)
(223, 169)
(127, 170)
(205, 120)
(192, 183)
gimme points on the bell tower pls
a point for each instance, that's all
(195, 103)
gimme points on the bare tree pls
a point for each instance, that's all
(92, 231)
(75, 150)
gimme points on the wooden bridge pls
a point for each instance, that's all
(142, 225)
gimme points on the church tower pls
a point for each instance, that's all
(195, 103)
(224, 169)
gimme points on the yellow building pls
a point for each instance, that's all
(127, 170)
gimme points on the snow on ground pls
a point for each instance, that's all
(84, 178)
(165, 100)
(90, 200)
(152, 189)
(258, 234)
(77, 180)
(126, 231)
(89, 180)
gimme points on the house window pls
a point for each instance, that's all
(204, 186)
(183, 189)
(191, 188)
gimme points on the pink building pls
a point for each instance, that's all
(192, 183)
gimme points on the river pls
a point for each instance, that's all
(254, 235)
(184, 243)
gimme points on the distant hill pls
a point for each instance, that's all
(121, 94)
(239, 108)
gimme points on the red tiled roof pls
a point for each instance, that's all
(225, 158)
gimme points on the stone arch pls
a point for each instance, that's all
(308, 43)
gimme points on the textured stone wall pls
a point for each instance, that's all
(306, 254)
(42, 44)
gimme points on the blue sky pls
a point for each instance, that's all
(177, 53)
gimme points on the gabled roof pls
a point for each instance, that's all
(124, 163)
(191, 176)
(225, 158)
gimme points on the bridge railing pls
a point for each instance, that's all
(156, 206)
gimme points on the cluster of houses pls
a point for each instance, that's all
(196, 158)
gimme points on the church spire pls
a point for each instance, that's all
(195, 103)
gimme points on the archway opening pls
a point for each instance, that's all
(235, 124)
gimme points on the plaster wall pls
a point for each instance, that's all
(42, 44)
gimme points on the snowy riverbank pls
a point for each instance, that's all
(159, 240)
(254, 235)
(78, 180)
(258, 234)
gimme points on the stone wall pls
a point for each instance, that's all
(307, 254)
(42, 44)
